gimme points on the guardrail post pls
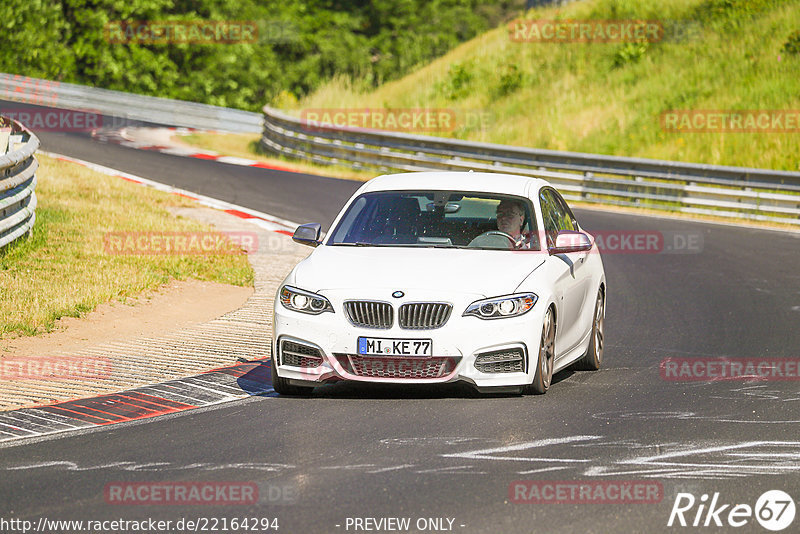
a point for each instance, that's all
(17, 183)
(587, 177)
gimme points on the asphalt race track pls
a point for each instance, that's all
(446, 456)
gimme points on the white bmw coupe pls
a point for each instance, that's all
(436, 277)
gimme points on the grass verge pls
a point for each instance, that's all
(63, 269)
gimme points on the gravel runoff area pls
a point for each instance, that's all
(243, 334)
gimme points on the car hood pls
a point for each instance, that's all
(481, 272)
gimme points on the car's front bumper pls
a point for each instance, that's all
(332, 352)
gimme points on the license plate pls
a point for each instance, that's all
(378, 346)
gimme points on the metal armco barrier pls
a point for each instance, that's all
(127, 106)
(17, 183)
(740, 192)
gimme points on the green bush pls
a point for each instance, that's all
(511, 79)
(458, 82)
(630, 53)
(302, 44)
(792, 45)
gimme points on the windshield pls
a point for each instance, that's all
(446, 219)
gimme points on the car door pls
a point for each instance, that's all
(572, 279)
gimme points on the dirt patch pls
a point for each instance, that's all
(174, 306)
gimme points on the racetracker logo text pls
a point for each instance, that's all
(31, 90)
(55, 120)
(181, 493)
(585, 492)
(731, 121)
(643, 242)
(50, 368)
(180, 243)
(406, 120)
(181, 32)
(395, 119)
(585, 31)
(711, 369)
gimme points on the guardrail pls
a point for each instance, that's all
(17, 184)
(128, 106)
(727, 192)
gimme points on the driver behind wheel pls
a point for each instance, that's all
(510, 219)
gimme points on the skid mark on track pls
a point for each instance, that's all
(153, 467)
(688, 416)
(730, 460)
(759, 392)
(667, 460)
(579, 456)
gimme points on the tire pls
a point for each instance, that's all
(283, 387)
(593, 358)
(547, 352)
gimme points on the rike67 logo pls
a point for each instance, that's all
(774, 510)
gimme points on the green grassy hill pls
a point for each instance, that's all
(608, 97)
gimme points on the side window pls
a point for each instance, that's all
(549, 216)
(567, 219)
(355, 210)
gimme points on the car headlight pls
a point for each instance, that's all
(304, 301)
(501, 307)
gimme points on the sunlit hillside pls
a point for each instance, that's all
(609, 97)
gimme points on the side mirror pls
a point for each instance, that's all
(569, 241)
(307, 234)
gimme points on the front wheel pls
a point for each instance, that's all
(283, 387)
(593, 358)
(547, 354)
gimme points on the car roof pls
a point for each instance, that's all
(488, 182)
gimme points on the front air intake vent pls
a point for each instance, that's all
(369, 313)
(424, 315)
(299, 355)
(397, 368)
(501, 361)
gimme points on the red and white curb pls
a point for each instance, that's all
(218, 386)
(263, 220)
(123, 138)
